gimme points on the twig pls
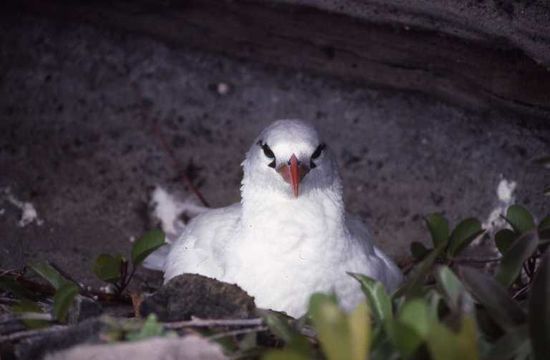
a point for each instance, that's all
(178, 165)
(478, 261)
(49, 290)
(521, 291)
(7, 301)
(127, 279)
(238, 332)
(30, 333)
(8, 272)
(213, 323)
(27, 316)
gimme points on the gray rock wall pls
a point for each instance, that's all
(78, 106)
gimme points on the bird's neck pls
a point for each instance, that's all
(315, 215)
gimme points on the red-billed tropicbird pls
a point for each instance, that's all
(290, 235)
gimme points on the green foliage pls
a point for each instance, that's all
(463, 234)
(446, 244)
(146, 244)
(466, 314)
(108, 268)
(65, 289)
(279, 325)
(341, 336)
(63, 299)
(113, 269)
(514, 257)
(539, 311)
(27, 308)
(379, 300)
(520, 219)
(444, 310)
(150, 328)
(439, 229)
(49, 273)
(504, 238)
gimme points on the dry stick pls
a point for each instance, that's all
(238, 332)
(50, 290)
(178, 165)
(213, 323)
(29, 333)
(479, 261)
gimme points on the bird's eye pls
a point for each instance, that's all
(268, 153)
(316, 154)
(318, 151)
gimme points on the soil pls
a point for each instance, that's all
(81, 109)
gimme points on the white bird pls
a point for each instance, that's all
(290, 236)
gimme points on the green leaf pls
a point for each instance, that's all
(418, 250)
(520, 219)
(50, 274)
(286, 354)
(278, 325)
(494, 297)
(11, 285)
(381, 345)
(544, 228)
(27, 307)
(415, 314)
(146, 244)
(405, 339)
(332, 327)
(463, 234)
(378, 298)
(443, 344)
(434, 299)
(439, 229)
(108, 267)
(512, 261)
(509, 345)
(539, 310)
(414, 284)
(341, 336)
(504, 238)
(359, 325)
(150, 328)
(455, 293)
(63, 299)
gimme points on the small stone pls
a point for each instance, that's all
(190, 295)
(223, 88)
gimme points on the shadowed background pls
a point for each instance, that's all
(82, 107)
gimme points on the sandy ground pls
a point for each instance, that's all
(77, 139)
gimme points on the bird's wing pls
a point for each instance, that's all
(359, 230)
(201, 247)
(380, 265)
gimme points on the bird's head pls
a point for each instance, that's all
(289, 158)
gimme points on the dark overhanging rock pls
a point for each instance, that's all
(195, 295)
(480, 56)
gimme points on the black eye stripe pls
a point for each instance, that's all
(267, 151)
(318, 151)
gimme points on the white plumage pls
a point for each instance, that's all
(290, 235)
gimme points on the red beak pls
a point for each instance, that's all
(293, 173)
